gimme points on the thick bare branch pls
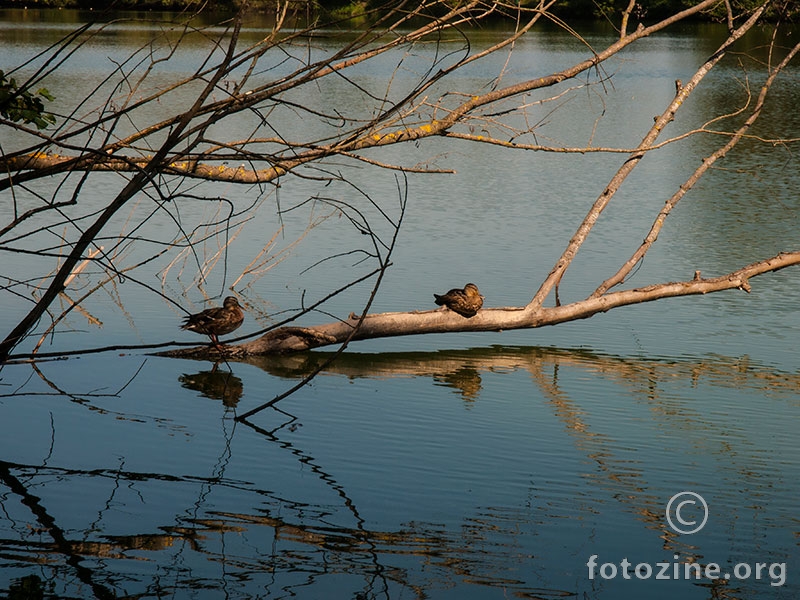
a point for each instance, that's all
(157, 152)
(298, 339)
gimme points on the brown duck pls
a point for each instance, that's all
(466, 302)
(216, 321)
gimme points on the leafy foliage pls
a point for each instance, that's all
(19, 104)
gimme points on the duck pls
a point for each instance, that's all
(216, 321)
(466, 302)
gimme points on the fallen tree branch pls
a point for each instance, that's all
(298, 339)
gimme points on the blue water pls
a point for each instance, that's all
(408, 481)
(468, 465)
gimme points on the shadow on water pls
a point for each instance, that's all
(253, 539)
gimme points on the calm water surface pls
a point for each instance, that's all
(457, 466)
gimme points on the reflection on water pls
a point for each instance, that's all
(215, 384)
(577, 453)
(479, 473)
(466, 380)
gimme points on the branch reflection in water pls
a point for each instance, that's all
(250, 535)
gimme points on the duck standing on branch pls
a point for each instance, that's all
(466, 302)
(216, 321)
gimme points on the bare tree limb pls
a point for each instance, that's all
(298, 339)
(89, 235)
(707, 163)
(602, 202)
(160, 158)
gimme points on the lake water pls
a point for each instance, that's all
(470, 466)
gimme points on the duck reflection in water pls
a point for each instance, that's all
(466, 381)
(217, 385)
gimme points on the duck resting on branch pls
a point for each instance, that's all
(216, 321)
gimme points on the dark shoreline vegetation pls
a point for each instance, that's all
(581, 9)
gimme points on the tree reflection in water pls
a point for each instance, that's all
(252, 540)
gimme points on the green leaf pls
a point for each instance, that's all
(45, 94)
